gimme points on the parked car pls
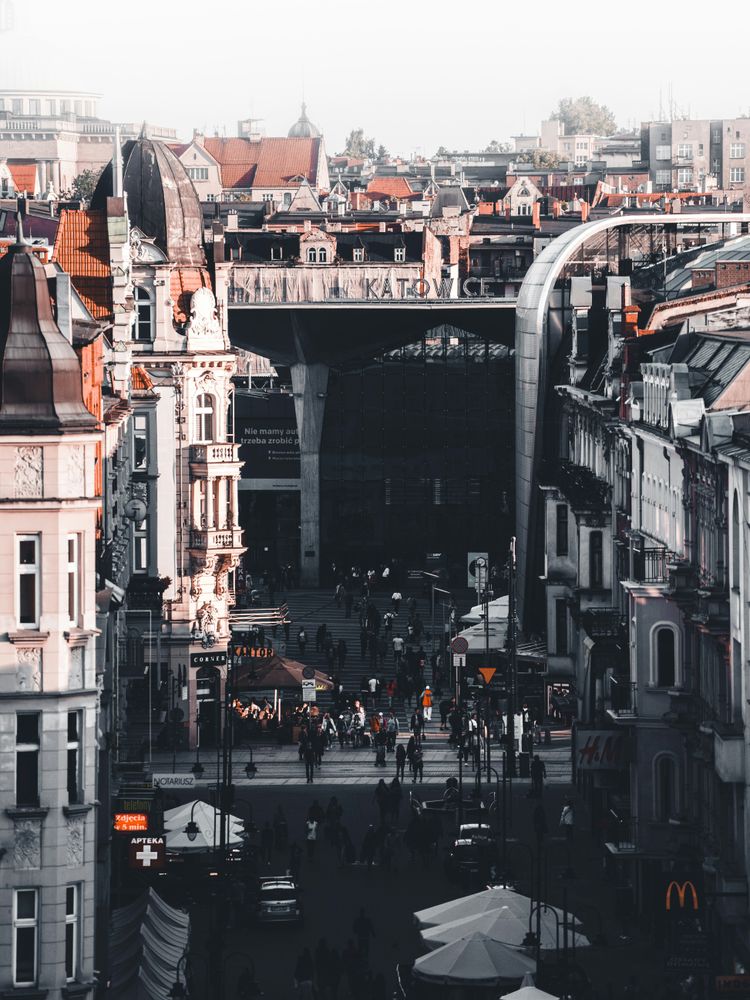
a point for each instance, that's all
(473, 854)
(279, 900)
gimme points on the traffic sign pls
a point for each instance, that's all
(308, 673)
(487, 673)
(460, 644)
(459, 659)
(308, 690)
(147, 853)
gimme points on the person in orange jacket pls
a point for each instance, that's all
(425, 700)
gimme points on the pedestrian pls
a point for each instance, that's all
(426, 702)
(382, 797)
(311, 837)
(341, 653)
(394, 798)
(567, 819)
(400, 761)
(266, 843)
(320, 636)
(369, 844)
(302, 640)
(538, 774)
(398, 650)
(445, 707)
(391, 731)
(316, 742)
(417, 763)
(372, 691)
(415, 724)
(363, 931)
(304, 973)
(339, 595)
(396, 601)
(309, 757)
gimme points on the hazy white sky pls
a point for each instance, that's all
(413, 74)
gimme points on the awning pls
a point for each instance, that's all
(147, 940)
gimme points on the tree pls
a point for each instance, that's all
(442, 151)
(542, 159)
(382, 153)
(584, 115)
(84, 185)
(497, 147)
(359, 145)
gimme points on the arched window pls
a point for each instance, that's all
(665, 673)
(312, 255)
(666, 797)
(735, 543)
(143, 328)
(204, 417)
(322, 256)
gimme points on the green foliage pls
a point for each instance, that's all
(497, 147)
(85, 184)
(585, 115)
(359, 145)
(542, 159)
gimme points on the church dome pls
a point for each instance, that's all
(40, 375)
(163, 203)
(303, 128)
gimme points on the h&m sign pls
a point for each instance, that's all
(598, 750)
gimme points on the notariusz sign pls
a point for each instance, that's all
(173, 780)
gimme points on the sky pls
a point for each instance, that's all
(413, 74)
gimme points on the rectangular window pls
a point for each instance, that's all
(140, 547)
(685, 150)
(562, 529)
(358, 255)
(75, 720)
(561, 627)
(277, 253)
(28, 580)
(72, 931)
(685, 175)
(140, 443)
(198, 173)
(34, 106)
(25, 936)
(737, 175)
(73, 578)
(663, 177)
(663, 152)
(596, 565)
(52, 107)
(737, 151)
(17, 106)
(27, 758)
(399, 255)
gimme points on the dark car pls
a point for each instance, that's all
(473, 854)
(278, 900)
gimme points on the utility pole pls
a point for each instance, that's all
(511, 680)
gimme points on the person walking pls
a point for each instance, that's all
(320, 636)
(382, 797)
(396, 601)
(311, 837)
(304, 973)
(426, 702)
(445, 707)
(417, 763)
(398, 650)
(309, 757)
(400, 761)
(567, 819)
(302, 641)
(391, 731)
(416, 724)
(363, 931)
(538, 774)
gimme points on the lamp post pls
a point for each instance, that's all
(501, 828)
(191, 829)
(178, 990)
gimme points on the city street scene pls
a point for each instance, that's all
(374, 503)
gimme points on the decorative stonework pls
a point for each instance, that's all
(28, 669)
(74, 846)
(75, 673)
(28, 472)
(203, 320)
(27, 844)
(74, 471)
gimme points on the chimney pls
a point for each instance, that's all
(536, 218)
(555, 209)
(308, 225)
(584, 211)
(233, 222)
(198, 137)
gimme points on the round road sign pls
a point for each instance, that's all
(460, 644)
(308, 673)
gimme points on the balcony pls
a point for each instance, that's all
(623, 699)
(622, 834)
(214, 459)
(729, 753)
(216, 539)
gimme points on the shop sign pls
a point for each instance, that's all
(738, 986)
(173, 780)
(254, 652)
(598, 750)
(130, 822)
(208, 659)
(147, 853)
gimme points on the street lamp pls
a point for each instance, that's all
(251, 768)
(192, 829)
(178, 991)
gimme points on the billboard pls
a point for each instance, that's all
(266, 431)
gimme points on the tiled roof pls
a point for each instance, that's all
(266, 162)
(82, 250)
(185, 281)
(24, 176)
(140, 380)
(390, 187)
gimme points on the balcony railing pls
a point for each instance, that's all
(649, 565)
(622, 832)
(623, 696)
(222, 538)
(204, 454)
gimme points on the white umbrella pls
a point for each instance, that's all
(179, 817)
(498, 609)
(475, 959)
(208, 820)
(478, 903)
(528, 991)
(503, 925)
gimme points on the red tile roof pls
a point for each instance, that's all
(24, 176)
(266, 162)
(184, 281)
(82, 250)
(140, 379)
(390, 187)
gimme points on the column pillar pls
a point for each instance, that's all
(222, 521)
(235, 502)
(309, 384)
(210, 486)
